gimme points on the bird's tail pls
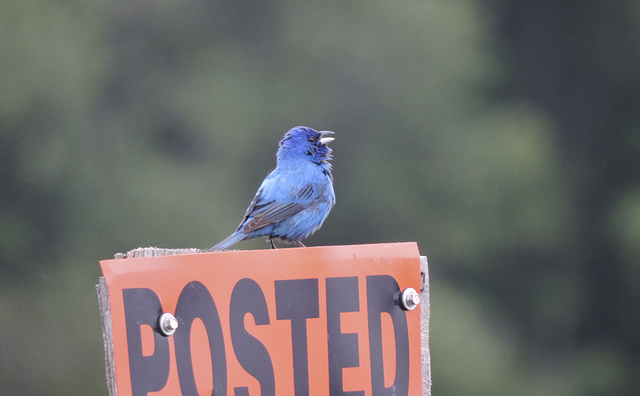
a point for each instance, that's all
(229, 241)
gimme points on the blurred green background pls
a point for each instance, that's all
(502, 136)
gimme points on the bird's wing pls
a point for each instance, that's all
(270, 213)
(266, 212)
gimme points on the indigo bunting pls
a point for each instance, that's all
(296, 197)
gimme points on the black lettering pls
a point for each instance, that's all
(148, 373)
(195, 301)
(342, 296)
(382, 296)
(247, 297)
(297, 300)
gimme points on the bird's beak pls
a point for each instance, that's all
(325, 137)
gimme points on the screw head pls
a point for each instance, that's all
(409, 299)
(167, 323)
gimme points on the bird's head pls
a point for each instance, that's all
(307, 143)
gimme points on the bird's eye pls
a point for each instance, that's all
(310, 139)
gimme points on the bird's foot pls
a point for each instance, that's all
(299, 244)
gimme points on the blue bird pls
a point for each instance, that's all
(296, 197)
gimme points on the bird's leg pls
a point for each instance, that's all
(272, 244)
(299, 244)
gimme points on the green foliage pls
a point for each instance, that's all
(133, 123)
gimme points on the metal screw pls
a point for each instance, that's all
(409, 298)
(167, 324)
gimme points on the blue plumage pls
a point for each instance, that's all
(296, 197)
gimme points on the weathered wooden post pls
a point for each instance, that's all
(303, 321)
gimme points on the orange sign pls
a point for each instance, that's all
(301, 321)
